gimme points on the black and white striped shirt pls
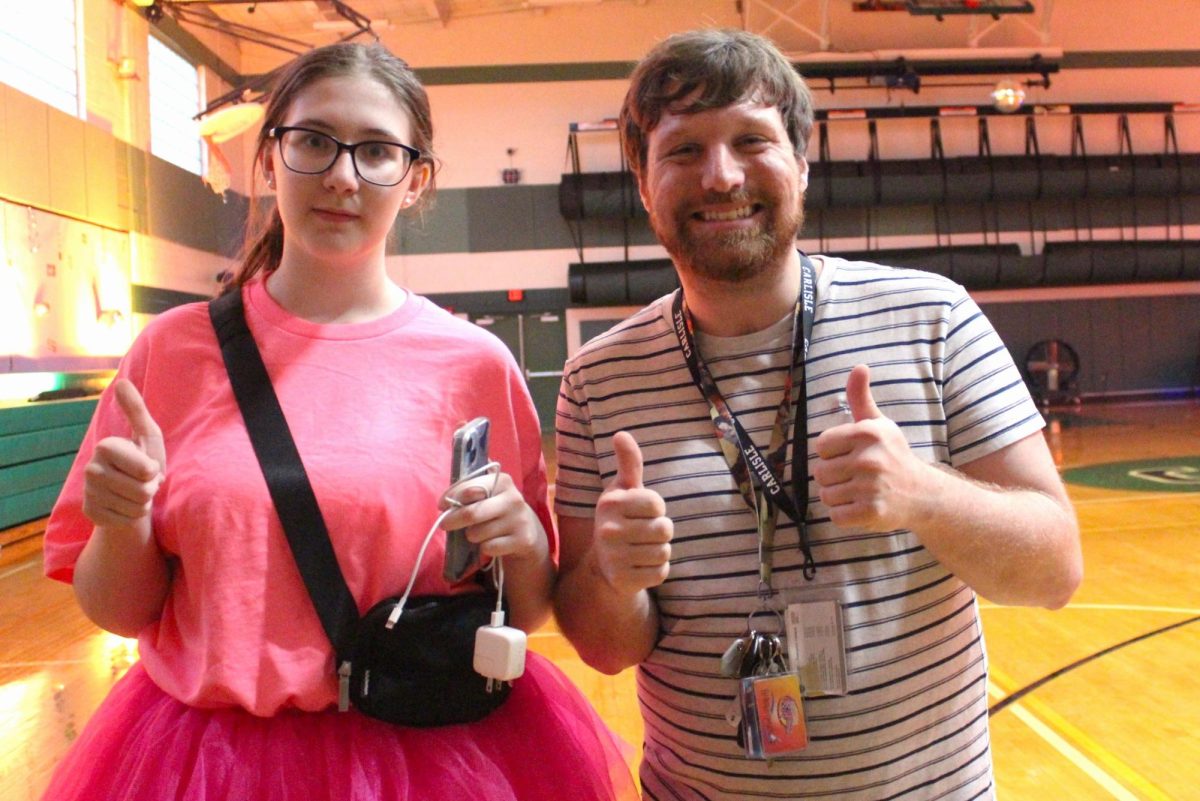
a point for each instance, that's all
(914, 722)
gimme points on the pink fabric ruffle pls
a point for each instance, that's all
(545, 743)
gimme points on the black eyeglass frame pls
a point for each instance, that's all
(278, 131)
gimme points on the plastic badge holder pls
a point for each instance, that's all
(773, 715)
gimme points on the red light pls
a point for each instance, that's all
(516, 295)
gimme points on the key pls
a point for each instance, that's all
(773, 661)
(734, 656)
(754, 655)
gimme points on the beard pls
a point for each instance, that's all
(732, 257)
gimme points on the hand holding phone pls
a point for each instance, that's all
(469, 453)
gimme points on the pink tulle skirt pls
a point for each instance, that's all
(545, 742)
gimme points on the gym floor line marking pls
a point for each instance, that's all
(1174, 610)
(18, 569)
(46, 663)
(1070, 752)
(1185, 528)
(1078, 663)
(1067, 729)
(1081, 750)
(1140, 497)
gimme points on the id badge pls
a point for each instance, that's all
(773, 716)
(816, 646)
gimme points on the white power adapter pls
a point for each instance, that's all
(499, 650)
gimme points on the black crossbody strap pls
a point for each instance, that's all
(284, 471)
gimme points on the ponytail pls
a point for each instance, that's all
(263, 249)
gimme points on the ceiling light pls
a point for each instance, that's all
(1008, 96)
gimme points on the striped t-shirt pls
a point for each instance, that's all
(913, 724)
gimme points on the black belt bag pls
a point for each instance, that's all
(420, 672)
(417, 671)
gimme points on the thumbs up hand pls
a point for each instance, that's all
(866, 473)
(859, 397)
(124, 474)
(632, 543)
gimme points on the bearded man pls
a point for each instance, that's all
(781, 488)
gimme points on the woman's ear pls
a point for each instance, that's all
(419, 183)
(268, 167)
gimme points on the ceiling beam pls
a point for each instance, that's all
(439, 9)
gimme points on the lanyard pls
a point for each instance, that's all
(759, 477)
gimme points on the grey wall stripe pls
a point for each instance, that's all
(178, 207)
(505, 218)
(475, 303)
(490, 219)
(1130, 59)
(155, 300)
(526, 73)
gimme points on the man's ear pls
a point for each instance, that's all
(639, 177)
(803, 175)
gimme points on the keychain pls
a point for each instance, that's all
(771, 705)
(769, 710)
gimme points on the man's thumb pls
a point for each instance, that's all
(629, 461)
(858, 394)
(145, 432)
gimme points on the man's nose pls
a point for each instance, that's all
(723, 171)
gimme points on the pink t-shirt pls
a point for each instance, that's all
(372, 408)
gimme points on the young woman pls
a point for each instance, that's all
(167, 532)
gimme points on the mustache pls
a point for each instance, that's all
(716, 198)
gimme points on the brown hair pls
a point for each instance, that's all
(263, 246)
(724, 67)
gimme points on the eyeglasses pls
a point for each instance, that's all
(311, 152)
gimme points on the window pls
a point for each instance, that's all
(174, 101)
(38, 53)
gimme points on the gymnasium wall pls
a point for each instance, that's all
(518, 81)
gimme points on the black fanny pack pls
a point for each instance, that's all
(418, 671)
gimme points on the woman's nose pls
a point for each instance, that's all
(342, 175)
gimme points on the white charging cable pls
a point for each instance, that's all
(492, 469)
(499, 649)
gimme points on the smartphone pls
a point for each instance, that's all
(469, 453)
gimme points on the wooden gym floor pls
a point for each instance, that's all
(1094, 701)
